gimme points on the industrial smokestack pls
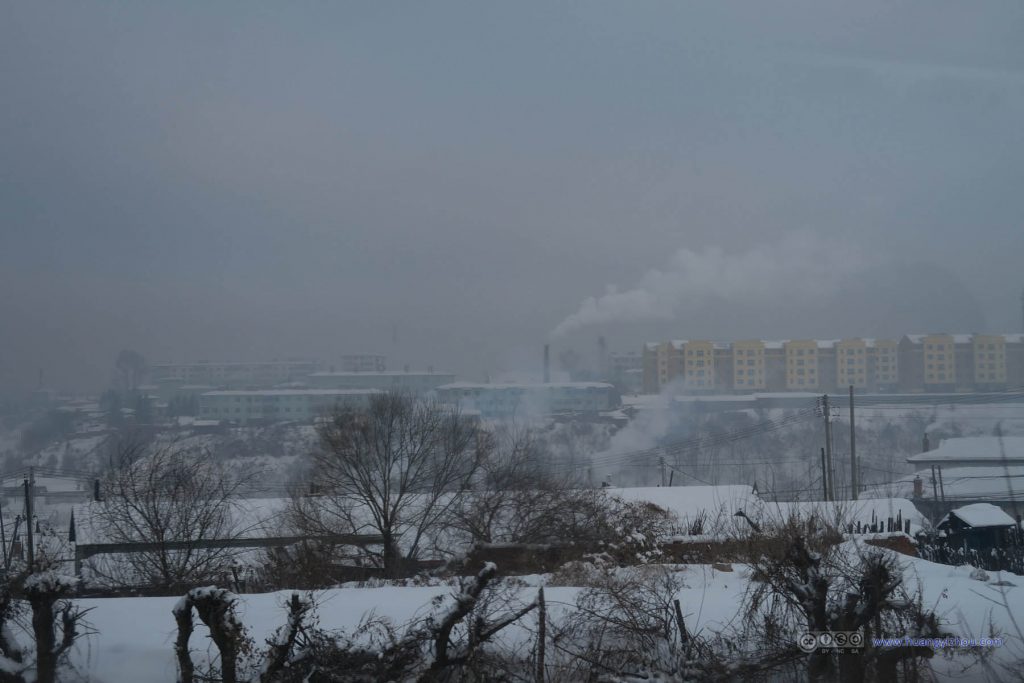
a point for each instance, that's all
(602, 358)
(547, 363)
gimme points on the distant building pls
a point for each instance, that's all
(801, 365)
(364, 362)
(883, 364)
(973, 451)
(748, 365)
(233, 374)
(416, 382)
(279, 405)
(505, 400)
(916, 363)
(626, 370)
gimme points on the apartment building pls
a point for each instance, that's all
(883, 364)
(914, 363)
(699, 366)
(852, 363)
(801, 365)
(748, 365)
(988, 354)
(663, 364)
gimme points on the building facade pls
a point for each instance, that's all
(279, 405)
(940, 363)
(415, 382)
(233, 374)
(526, 400)
(364, 362)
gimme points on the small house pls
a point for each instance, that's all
(981, 527)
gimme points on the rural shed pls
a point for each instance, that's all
(981, 526)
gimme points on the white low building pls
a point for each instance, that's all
(416, 382)
(503, 400)
(973, 451)
(279, 405)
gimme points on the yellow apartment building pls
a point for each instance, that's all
(989, 352)
(801, 364)
(939, 359)
(852, 363)
(885, 353)
(748, 365)
(699, 365)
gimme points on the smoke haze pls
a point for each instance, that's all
(446, 183)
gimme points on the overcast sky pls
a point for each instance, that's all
(256, 180)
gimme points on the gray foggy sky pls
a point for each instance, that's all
(255, 180)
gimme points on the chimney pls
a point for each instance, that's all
(547, 364)
(918, 487)
(925, 446)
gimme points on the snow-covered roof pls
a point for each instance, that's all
(981, 515)
(687, 501)
(961, 483)
(975, 449)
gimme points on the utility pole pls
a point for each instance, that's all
(827, 413)
(854, 479)
(664, 478)
(824, 475)
(30, 483)
(3, 540)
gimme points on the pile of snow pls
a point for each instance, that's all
(134, 637)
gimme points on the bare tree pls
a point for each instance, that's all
(55, 625)
(518, 499)
(175, 498)
(398, 468)
(802, 579)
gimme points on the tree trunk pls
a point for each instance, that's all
(42, 630)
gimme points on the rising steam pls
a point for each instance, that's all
(799, 268)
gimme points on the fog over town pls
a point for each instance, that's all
(699, 319)
(221, 183)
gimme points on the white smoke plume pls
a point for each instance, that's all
(799, 268)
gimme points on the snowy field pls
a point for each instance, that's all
(134, 636)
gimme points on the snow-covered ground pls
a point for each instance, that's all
(134, 636)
